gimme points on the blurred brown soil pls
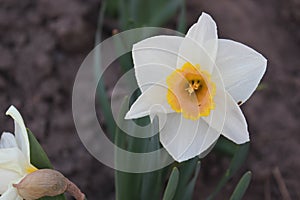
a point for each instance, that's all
(42, 44)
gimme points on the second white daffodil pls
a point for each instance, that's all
(19, 179)
(198, 81)
(14, 157)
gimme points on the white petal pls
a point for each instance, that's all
(7, 140)
(13, 159)
(205, 33)
(20, 131)
(241, 67)
(216, 118)
(201, 37)
(7, 177)
(192, 52)
(203, 142)
(11, 194)
(152, 101)
(227, 117)
(235, 127)
(184, 138)
(155, 58)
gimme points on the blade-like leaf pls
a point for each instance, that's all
(112, 8)
(157, 13)
(101, 92)
(130, 186)
(39, 159)
(181, 23)
(164, 13)
(241, 187)
(126, 15)
(225, 147)
(236, 162)
(189, 171)
(172, 185)
(127, 184)
(152, 183)
(59, 197)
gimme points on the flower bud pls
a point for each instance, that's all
(44, 182)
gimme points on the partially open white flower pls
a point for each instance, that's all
(198, 81)
(19, 179)
(14, 157)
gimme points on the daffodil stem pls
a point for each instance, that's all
(74, 191)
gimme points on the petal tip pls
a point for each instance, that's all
(206, 16)
(245, 140)
(127, 116)
(15, 114)
(241, 140)
(11, 110)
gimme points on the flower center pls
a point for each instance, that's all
(193, 86)
(191, 91)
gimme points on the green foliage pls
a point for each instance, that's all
(101, 92)
(172, 185)
(225, 147)
(139, 13)
(181, 23)
(262, 86)
(39, 159)
(59, 197)
(241, 187)
(131, 186)
(147, 186)
(189, 171)
(112, 7)
(236, 162)
(163, 11)
(38, 156)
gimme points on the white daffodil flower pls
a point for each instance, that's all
(14, 157)
(198, 81)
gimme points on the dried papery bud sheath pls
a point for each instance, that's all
(46, 182)
(75, 191)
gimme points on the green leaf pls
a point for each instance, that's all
(163, 13)
(239, 158)
(152, 183)
(241, 187)
(131, 186)
(189, 171)
(172, 185)
(225, 146)
(262, 86)
(59, 197)
(181, 23)
(101, 92)
(236, 162)
(157, 13)
(112, 8)
(39, 159)
(125, 15)
(127, 184)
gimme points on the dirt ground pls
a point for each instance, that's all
(42, 44)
